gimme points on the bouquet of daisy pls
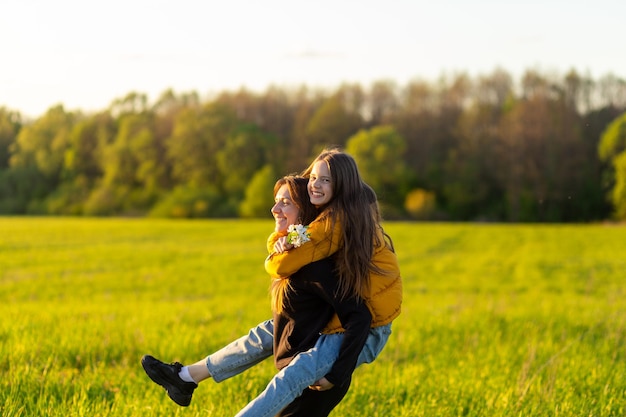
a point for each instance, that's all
(298, 235)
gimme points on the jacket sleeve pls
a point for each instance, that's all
(324, 242)
(272, 239)
(356, 319)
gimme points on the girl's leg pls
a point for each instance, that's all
(315, 403)
(238, 356)
(232, 359)
(308, 367)
(374, 344)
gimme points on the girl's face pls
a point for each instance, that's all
(320, 184)
(285, 212)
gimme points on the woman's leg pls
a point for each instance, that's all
(306, 368)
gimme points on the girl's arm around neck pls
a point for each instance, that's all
(271, 240)
(324, 242)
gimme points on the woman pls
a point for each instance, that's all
(301, 310)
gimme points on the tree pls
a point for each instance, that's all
(132, 103)
(197, 137)
(427, 118)
(132, 163)
(83, 164)
(470, 188)
(618, 195)
(299, 148)
(383, 102)
(612, 91)
(612, 151)
(169, 103)
(38, 154)
(87, 140)
(543, 158)
(167, 109)
(10, 125)
(416, 121)
(43, 144)
(11, 200)
(332, 124)
(613, 139)
(134, 167)
(259, 193)
(379, 153)
(244, 153)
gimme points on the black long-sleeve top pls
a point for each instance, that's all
(309, 304)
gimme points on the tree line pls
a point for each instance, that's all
(547, 148)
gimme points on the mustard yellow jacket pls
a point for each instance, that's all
(385, 295)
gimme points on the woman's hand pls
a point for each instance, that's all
(322, 385)
(282, 245)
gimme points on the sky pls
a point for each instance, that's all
(84, 54)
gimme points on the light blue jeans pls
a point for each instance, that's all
(306, 368)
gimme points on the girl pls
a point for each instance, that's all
(348, 228)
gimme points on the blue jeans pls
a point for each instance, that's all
(243, 353)
(306, 368)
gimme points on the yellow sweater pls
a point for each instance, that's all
(385, 295)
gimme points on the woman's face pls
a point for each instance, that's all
(285, 212)
(320, 184)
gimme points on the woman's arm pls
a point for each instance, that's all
(324, 242)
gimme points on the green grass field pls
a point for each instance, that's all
(498, 320)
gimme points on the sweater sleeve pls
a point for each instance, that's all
(324, 242)
(356, 319)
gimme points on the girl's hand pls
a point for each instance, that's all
(322, 385)
(282, 245)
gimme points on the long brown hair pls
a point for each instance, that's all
(299, 194)
(371, 196)
(352, 207)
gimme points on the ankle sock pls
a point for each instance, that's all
(185, 375)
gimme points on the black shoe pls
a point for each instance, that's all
(166, 375)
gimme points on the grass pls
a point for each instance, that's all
(498, 320)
